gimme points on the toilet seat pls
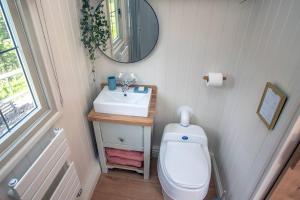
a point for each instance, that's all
(185, 164)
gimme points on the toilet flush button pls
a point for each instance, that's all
(184, 137)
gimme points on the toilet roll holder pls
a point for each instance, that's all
(207, 78)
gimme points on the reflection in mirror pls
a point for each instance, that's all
(133, 30)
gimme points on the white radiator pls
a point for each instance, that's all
(36, 181)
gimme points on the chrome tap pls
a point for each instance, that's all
(125, 86)
(126, 80)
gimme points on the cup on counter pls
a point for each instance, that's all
(112, 82)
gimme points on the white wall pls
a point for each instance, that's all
(60, 29)
(73, 69)
(270, 53)
(252, 43)
(75, 79)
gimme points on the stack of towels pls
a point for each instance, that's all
(124, 157)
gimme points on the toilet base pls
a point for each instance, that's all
(166, 197)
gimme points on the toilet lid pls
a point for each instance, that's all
(186, 164)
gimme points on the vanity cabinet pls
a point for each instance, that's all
(126, 133)
(126, 137)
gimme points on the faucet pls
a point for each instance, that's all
(126, 80)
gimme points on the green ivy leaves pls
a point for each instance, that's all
(94, 27)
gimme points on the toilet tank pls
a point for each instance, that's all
(192, 133)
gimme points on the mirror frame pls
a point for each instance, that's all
(158, 30)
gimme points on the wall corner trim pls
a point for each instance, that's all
(90, 184)
(218, 180)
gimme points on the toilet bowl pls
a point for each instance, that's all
(184, 166)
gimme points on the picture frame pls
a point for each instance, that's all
(271, 105)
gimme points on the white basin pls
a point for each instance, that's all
(115, 102)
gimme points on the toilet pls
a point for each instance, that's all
(184, 166)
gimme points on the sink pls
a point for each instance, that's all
(115, 102)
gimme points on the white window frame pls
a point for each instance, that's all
(16, 144)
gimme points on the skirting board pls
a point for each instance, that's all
(220, 189)
(90, 184)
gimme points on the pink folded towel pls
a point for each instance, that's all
(132, 155)
(123, 161)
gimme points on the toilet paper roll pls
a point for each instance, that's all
(215, 79)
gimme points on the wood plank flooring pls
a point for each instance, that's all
(126, 185)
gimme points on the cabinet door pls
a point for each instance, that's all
(122, 136)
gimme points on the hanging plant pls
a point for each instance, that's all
(94, 27)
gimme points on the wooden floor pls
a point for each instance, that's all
(125, 185)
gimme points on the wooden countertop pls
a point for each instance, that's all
(123, 119)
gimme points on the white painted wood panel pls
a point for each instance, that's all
(60, 21)
(252, 43)
(74, 73)
(60, 24)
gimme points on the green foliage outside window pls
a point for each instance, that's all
(13, 85)
(9, 62)
(113, 19)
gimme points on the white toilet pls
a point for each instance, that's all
(184, 166)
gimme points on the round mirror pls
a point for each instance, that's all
(133, 27)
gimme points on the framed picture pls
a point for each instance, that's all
(271, 105)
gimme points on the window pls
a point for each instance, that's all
(26, 103)
(114, 19)
(17, 101)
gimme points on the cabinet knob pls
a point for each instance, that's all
(121, 139)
